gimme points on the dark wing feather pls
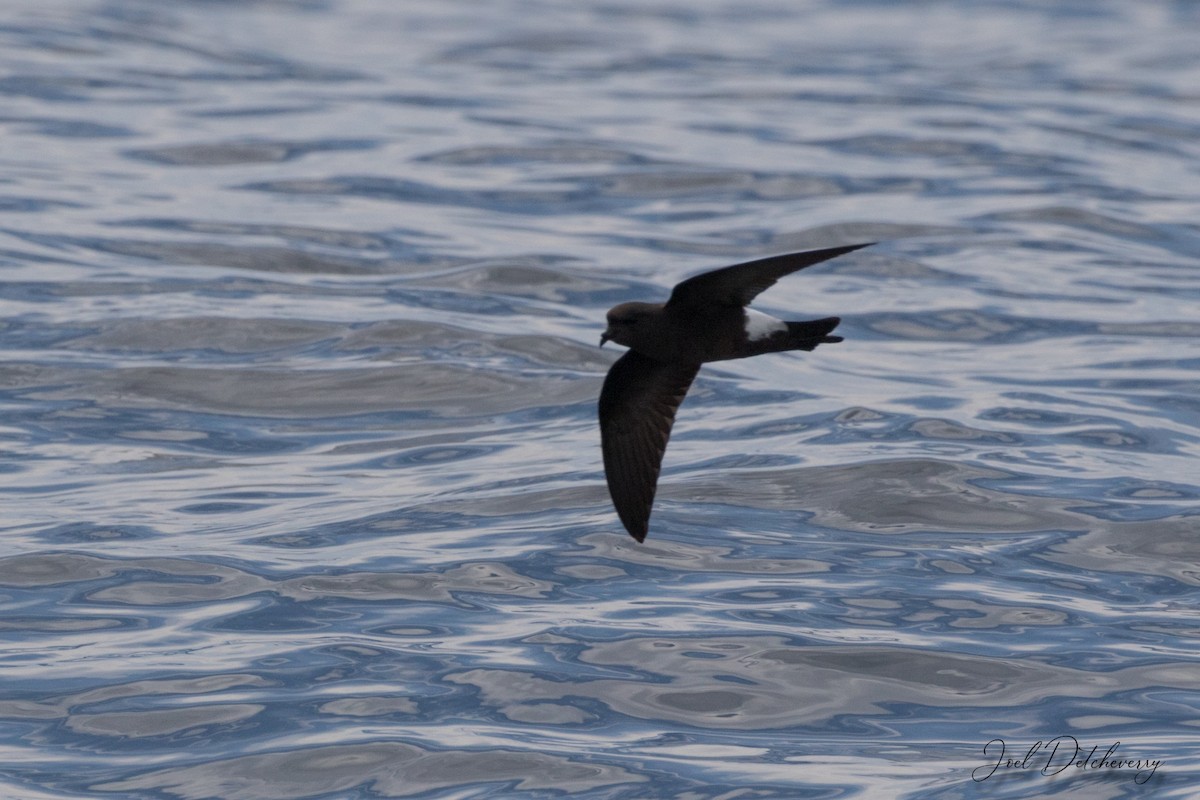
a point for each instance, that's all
(637, 408)
(741, 283)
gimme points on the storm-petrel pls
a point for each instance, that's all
(705, 319)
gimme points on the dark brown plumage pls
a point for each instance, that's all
(705, 319)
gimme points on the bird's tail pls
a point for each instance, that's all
(807, 335)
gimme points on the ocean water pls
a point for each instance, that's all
(300, 481)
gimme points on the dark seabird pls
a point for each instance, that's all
(705, 319)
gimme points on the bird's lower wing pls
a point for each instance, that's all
(637, 408)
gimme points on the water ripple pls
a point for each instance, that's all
(301, 485)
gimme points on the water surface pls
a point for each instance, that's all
(301, 479)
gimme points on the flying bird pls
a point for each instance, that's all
(705, 319)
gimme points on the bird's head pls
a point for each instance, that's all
(631, 323)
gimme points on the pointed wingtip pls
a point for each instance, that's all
(637, 528)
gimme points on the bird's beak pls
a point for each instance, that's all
(604, 337)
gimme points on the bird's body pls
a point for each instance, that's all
(706, 319)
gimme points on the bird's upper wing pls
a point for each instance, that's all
(741, 283)
(637, 408)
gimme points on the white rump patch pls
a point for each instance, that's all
(761, 326)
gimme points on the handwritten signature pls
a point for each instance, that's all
(1058, 754)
